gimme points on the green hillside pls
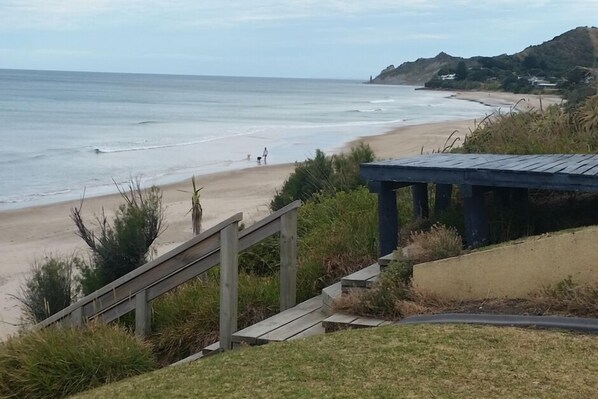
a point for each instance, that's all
(535, 68)
(421, 361)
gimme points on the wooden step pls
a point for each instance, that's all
(285, 325)
(211, 349)
(363, 278)
(386, 259)
(207, 351)
(342, 321)
(329, 294)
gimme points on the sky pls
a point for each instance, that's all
(345, 39)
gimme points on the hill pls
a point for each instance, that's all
(411, 361)
(542, 65)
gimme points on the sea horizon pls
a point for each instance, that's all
(64, 133)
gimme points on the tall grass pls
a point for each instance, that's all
(187, 319)
(551, 131)
(55, 362)
(339, 234)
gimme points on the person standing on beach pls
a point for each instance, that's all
(265, 154)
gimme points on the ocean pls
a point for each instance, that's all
(65, 132)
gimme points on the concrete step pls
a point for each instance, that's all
(363, 278)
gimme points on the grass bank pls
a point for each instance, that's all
(409, 361)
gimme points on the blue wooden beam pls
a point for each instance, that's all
(388, 219)
(442, 199)
(474, 213)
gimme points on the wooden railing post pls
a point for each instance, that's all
(229, 276)
(76, 319)
(142, 314)
(288, 260)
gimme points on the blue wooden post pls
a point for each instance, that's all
(502, 197)
(442, 200)
(388, 220)
(419, 193)
(520, 197)
(474, 212)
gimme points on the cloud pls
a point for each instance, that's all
(68, 14)
(192, 14)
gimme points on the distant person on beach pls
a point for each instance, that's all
(265, 154)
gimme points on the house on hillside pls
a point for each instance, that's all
(541, 83)
(450, 76)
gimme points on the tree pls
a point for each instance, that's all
(124, 245)
(461, 71)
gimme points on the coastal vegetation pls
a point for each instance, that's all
(123, 245)
(58, 362)
(337, 235)
(567, 62)
(323, 174)
(444, 361)
(186, 319)
(49, 288)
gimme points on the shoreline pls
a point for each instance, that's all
(33, 232)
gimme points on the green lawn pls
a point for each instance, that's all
(409, 361)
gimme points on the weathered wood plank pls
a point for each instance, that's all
(359, 278)
(591, 172)
(330, 293)
(366, 322)
(293, 328)
(548, 167)
(76, 319)
(288, 260)
(316, 329)
(370, 282)
(251, 333)
(229, 275)
(332, 322)
(386, 259)
(143, 314)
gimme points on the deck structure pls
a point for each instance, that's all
(474, 174)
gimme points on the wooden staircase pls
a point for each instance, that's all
(312, 317)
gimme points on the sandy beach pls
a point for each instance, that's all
(32, 233)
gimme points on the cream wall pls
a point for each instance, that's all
(516, 269)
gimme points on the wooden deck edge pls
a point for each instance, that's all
(343, 321)
(360, 277)
(250, 335)
(383, 261)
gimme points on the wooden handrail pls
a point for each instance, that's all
(207, 240)
(196, 256)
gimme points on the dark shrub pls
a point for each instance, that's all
(122, 246)
(323, 174)
(49, 288)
